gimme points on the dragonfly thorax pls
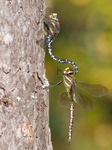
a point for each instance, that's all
(69, 80)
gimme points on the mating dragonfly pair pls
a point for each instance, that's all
(50, 32)
(73, 94)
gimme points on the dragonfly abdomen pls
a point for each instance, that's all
(60, 60)
(71, 122)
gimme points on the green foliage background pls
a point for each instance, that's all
(85, 38)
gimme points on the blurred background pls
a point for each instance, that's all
(86, 39)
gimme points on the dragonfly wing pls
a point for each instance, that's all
(48, 11)
(42, 38)
(92, 89)
(42, 43)
(64, 100)
(82, 100)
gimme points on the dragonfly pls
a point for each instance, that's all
(51, 28)
(50, 32)
(73, 94)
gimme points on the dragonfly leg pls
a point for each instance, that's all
(56, 84)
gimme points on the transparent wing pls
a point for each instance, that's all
(64, 100)
(48, 11)
(42, 42)
(92, 89)
(42, 38)
(43, 33)
(82, 100)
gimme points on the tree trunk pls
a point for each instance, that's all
(24, 100)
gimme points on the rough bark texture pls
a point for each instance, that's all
(24, 105)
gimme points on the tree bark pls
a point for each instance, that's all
(24, 100)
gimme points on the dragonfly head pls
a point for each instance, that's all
(54, 16)
(68, 71)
